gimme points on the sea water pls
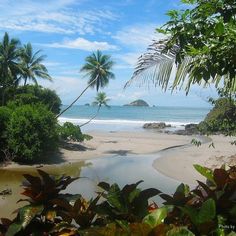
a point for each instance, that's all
(117, 118)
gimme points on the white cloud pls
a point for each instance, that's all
(126, 96)
(138, 36)
(82, 44)
(67, 87)
(126, 60)
(51, 16)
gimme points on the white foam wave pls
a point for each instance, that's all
(119, 121)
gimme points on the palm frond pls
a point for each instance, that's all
(158, 66)
(155, 65)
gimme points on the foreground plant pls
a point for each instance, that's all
(209, 209)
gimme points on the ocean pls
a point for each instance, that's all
(130, 117)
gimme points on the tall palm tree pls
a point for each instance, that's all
(100, 100)
(9, 63)
(31, 64)
(98, 69)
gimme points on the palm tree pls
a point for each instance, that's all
(98, 69)
(31, 64)
(100, 100)
(9, 63)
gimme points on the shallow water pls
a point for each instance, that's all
(119, 169)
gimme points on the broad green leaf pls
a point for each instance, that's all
(114, 197)
(179, 231)
(183, 188)
(206, 172)
(191, 212)
(156, 217)
(13, 229)
(233, 233)
(27, 213)
(134, 194)
(219, 28)
(207, 211)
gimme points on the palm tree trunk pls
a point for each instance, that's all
(91, 118)
(77, 97)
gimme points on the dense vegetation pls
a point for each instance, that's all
(29, 131)
(221, 119)
(199, 41)
(208, 209)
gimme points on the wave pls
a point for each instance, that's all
(120, 121)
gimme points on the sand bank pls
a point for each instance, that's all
(176, 163)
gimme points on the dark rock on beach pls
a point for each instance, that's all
(189, 129)
(159, 125)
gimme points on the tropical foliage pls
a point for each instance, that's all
(28, 124)
(17, 63)
(31, 133)
(199, 47)
(208, 209)
(71, 132)
(221, 119)
(100, 100)
(31, 65)
(98, 68)
(34, 94)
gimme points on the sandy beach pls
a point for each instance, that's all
(174, 156)
(177, 154)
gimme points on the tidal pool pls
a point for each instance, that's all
(122, 169)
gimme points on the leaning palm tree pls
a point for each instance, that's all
(98, 69)
(9, 63)
(31, 64)
(100, 100)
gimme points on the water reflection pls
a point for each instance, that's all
(119, 169)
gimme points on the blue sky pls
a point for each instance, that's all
(69, 30)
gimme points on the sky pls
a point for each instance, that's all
(67, 31)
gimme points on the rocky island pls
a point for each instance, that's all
(138, 103)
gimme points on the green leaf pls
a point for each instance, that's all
(183, 188)
(188, 1)
(206, 172)
(156, 217)
(114, 197)
(13, 229)
(27, 214)
(179, 231)
(134, 194)
(219, 28)
(207, 211)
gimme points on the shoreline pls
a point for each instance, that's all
(177, 154)
(172, 156)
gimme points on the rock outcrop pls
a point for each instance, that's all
(189, 129)
(159, 125)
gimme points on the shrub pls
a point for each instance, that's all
(31, 132)
(5, 115)
(71, 132)
(33, 94)
(221, 119)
